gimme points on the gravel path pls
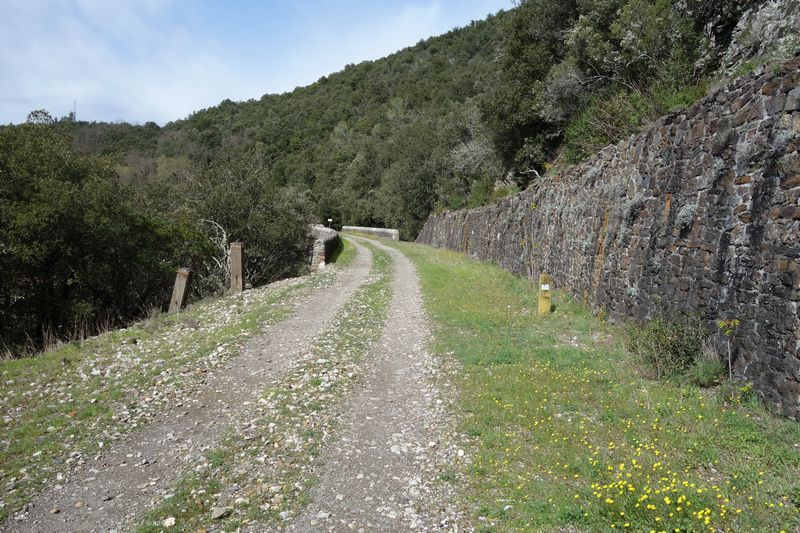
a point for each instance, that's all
(118, 486)
(383, 472)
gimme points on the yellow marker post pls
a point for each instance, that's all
(545, 294)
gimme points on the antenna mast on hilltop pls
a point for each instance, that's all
(74, 111)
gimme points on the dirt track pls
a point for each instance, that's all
(113, 489)
(379, 472)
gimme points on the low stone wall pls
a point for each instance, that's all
(325, 242)
(700, 214)
(378, 232)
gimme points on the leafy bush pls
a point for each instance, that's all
(82, 251)
(604, 121)
(74, 251)
(235, 201)
(598, 72)
(666, 348)
(737, 393)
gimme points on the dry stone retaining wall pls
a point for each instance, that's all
(700, 214)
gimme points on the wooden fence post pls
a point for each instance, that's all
(545, 294)
(179, 290)
(237, 282)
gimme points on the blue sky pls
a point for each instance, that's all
(160, 60)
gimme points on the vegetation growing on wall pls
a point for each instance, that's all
(580, 75)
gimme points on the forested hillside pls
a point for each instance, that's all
(456, 120)
(377, 143)
(436, 125)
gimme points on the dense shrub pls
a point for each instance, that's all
(707, 370)
(73, 249)
(612, 116)
(666, 348)
(80, 250)
(235, 201)
(579, 75)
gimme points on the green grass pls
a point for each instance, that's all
(344, 254)
(68, 399)
(567, 435)
(616, 114)
(297, 417)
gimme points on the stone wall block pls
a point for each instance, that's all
(792, 102)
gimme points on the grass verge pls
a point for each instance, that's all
(566, 435)
(344, 254)
(264, 478)
(67, 403)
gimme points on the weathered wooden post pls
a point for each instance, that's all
(179, 290)
(545, 294)
(237, 281)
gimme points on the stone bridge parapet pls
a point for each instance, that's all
(378, 232)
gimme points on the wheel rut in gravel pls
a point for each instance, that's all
(382, 472)
(112, 490)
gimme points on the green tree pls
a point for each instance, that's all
(73, 250)
(533, 43)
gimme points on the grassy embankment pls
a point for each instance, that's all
(566, 434)
(69, 402)
(265, 478)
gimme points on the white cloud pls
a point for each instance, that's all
(111, 60)
(144, 60)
